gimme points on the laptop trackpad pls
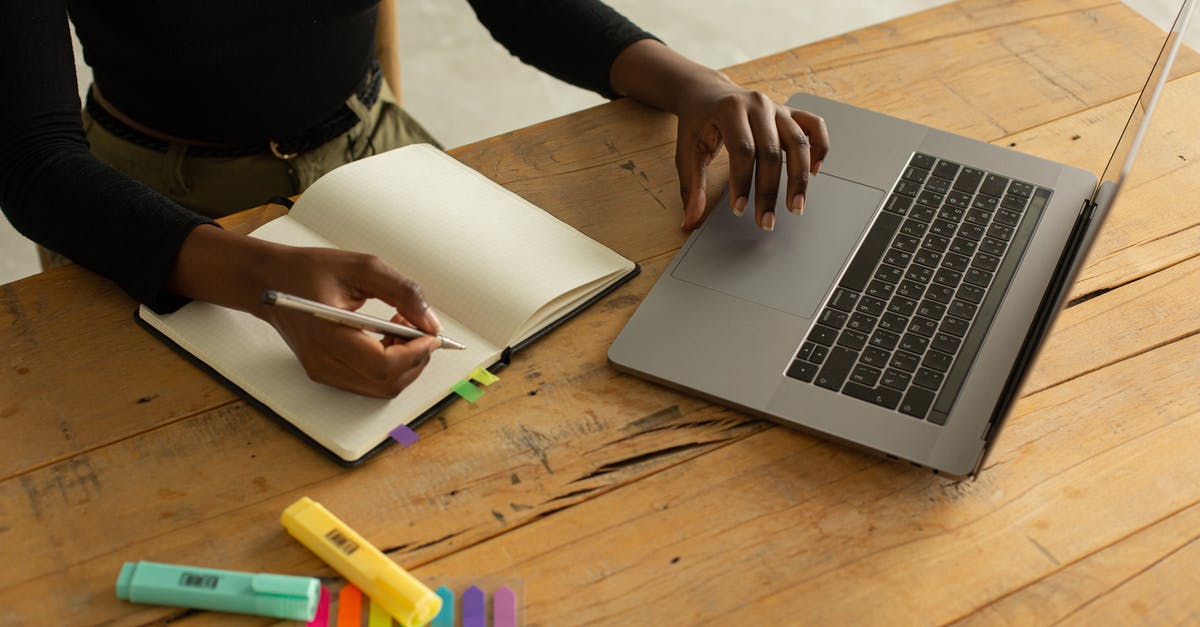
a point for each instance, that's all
(791, 268)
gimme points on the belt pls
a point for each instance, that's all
(333, 126)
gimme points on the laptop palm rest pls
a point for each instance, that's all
(792, 268)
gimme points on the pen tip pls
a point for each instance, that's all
(269, 297)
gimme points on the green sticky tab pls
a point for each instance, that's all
(466, 390)
(483, 376)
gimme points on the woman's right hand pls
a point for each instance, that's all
(233, 270)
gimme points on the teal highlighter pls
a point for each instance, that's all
(278, 596)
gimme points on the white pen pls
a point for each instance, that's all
(352, 319)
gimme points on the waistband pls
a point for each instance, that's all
(333, 126)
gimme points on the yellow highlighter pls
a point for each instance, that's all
(402, 595)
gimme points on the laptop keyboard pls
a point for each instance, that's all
(910, 312)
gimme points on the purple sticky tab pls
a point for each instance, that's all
(474, 608)
(504, 607)
(404, 435)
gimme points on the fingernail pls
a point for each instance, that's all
(768, 221)
(817, 167)
(798, 205)
(432, 320)
(739, 206)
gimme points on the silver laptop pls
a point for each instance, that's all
(901, 312)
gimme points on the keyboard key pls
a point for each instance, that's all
(945, 169)
(993, 185)
(970, 293)
(922, 161)
(916, 402)
(985, 261)
(891, 274)
(865, 375)
(914, 343)
(910, 289)
(843, 299)
(902, 306)
(916, 175)
(819, 354)
(985, 203)
(971, 231)
(871, 305)
(832, 318)
(805, 351)
(944, 342)
(955, 261)
(915, 228)
(898, 204)
(892, 322)
(938, 184)
(948, 277)
(905, 361)
(907, 188)
(896, 257)
(963, 246)
(923, 326)
(872, 248)
(963, 309)
(852, 339)
(885, 339)
(905, 243)
(931, 309)
(1007, 217)
(922, 213)
(941, 293)
(822, 335)
(1025, 190)
(968, 180)
(895, 379)
(992, 246)
(919, 273)
(928, 258)
(937, 360)
(802, 370)
(952, 214)
(836, 368)
(1014, 202)
(927, 378)
(958, 199)
(930, 198)
(954, 326)
(976, 276)
(978, 216)
(876, 357)
(1000, 231)
(880, 289)
(883, 397)
(861, 322)
(936, 242)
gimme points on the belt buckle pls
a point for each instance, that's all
(282, 155)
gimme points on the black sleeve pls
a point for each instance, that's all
(573, 40)
(52, 189)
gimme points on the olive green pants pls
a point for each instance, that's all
(219, 186)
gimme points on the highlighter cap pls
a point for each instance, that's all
(264, 594)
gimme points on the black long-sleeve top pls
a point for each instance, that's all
(225, 71)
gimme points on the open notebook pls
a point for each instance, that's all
(498, 271)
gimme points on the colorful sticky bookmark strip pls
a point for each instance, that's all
(321, 619)
(474, 608)
(483, 376)
(466, 390)
(350, 601)
(404, 435)
(504, 607)
(445, 617)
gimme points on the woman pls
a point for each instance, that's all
(202, 109)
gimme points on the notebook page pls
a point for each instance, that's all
(481, 253)
(251, 354)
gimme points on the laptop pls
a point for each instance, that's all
(901, 312)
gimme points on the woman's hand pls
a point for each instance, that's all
(232, 270)
(714, 112)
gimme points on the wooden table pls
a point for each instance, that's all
(615, 501)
